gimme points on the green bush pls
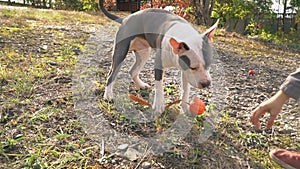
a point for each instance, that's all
(78, 5)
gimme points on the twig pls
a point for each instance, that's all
(102, 148)
(143, 102)
(144, 155)
(139, 100)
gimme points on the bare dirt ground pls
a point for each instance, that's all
(237, 96)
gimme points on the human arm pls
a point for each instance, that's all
(291, 85)
(273, 106)
(290, 88)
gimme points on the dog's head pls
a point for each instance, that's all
(195, 57)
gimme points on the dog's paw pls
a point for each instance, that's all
(141, 85)
(158, 108)
(144, 86)
(185, 107)
(108, 94)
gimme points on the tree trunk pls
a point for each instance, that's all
(212, 5)
(283, 15)
(206, 15)
(203, 11)
(44, 4)
(197, 12)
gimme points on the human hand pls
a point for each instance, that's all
(273, 106)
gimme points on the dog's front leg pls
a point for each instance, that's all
(158, 104)
(185, 93)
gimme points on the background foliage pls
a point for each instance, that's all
(252, 18)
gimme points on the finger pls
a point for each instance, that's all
(253, 116)
(271, 121)
(256, 115)
(255, 119)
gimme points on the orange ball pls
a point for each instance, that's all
(197, 106)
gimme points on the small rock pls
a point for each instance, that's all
(146, 165)
(123, 147)
(44, 47)
(77, 51)
(132, 154)
(18, 136)
(292, 117)
(52, 63)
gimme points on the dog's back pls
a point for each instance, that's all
(150, 24)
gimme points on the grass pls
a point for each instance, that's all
(35, 130)
(39, 127)
(40, 17)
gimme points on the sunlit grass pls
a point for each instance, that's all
(56, 17)
(30, 60)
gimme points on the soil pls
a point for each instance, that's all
(234, 91)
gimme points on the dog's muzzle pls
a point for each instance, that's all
(205, 84)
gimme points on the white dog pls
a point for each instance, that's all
(177, 43)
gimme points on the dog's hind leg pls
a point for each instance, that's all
(141, 51)
(120, 51)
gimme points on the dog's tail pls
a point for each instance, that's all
(109, 15)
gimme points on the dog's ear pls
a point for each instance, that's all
(209, 33)
(178, 47)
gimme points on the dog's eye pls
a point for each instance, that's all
(193, 68)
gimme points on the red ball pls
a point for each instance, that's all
(251, 72)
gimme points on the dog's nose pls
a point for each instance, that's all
(205, 84)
